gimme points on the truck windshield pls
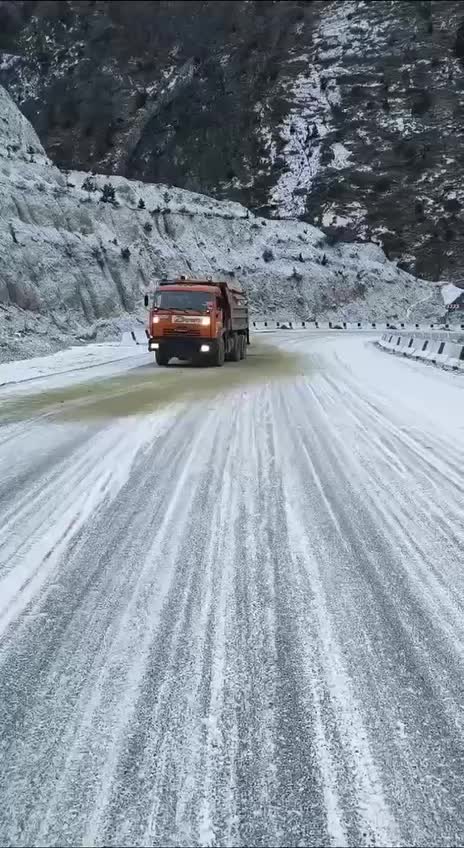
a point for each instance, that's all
(198, 300)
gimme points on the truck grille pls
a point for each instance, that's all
(180, 331)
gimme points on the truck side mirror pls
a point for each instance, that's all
(146, 300)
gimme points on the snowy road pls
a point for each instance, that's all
(238, 621)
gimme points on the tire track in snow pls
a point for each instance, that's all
(239, 623)
(358, 489)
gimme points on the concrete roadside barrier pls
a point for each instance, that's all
(136, 336)
(139, 335)
(266, 323)
(455, 356)
(443, 349)
(127, 339)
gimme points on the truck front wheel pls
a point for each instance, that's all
(161, 357)
(220, 354)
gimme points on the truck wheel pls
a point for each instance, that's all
(244, 347)
(220, 354)
(161, 358)
(236, 348)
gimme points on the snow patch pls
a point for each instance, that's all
(309, 120)
(354, 215)
(342, 156)
(8, 61)
(450, 293)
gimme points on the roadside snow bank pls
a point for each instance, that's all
(75, 262)
(73, 360)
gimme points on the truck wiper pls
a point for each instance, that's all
(183, 309)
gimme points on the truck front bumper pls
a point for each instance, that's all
(183, 347)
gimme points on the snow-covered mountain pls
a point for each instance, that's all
(76, 261)
(345, 113)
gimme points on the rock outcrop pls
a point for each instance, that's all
(344, 114)
(78, 251)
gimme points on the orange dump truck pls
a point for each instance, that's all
(201, 321)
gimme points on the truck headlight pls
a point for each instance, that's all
(156, 319)
(204, 349)
(206, 321)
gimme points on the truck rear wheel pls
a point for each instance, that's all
(161, 358)
(243, 347)
(236, 348)
(220, 354)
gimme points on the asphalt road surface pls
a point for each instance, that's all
(237, 619)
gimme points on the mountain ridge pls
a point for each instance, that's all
(78, 251)
(347, 115)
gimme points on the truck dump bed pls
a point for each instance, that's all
(233, 294)
(238, 307)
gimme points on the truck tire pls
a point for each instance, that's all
(236, 348)
(242, 345)
(161, 358)
(244, 350)
(220, 354)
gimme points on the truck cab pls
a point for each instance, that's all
(201, 321)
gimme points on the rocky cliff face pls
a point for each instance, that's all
(77, 253)
(345, 114)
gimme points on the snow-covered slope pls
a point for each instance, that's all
(74, 265)
(346, 113)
